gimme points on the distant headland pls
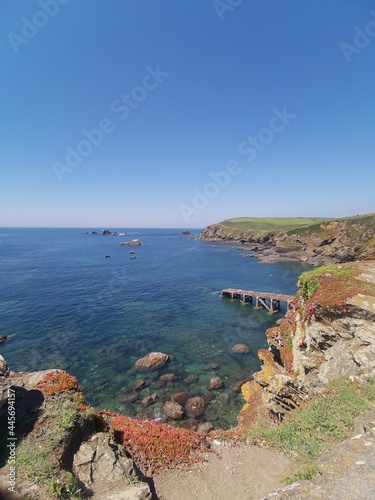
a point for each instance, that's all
(315, 241)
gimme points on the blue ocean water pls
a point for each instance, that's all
(65, 305)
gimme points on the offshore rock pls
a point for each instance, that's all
(152, 361)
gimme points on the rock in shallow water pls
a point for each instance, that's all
(173, 410)
(240, 349)
(195, 406)
(152, 361)
(215, 383)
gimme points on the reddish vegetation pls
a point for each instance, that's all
(330, 287)
(155, 446)
(58, 383)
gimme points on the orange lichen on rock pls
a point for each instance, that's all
(269, 368)
(249, 388)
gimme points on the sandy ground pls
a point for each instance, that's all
(235, 472)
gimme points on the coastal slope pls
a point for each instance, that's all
(314, 241)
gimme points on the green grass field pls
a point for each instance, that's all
(269, 224)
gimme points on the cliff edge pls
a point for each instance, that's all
(314, 241)
(330, 334)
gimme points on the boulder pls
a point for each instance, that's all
(180, 397)
(129, 398)
(173, 410)
(102, 465)
(167, 377)
(191, 378)
(240, 349)
(215, 383)
(195, 406)
(139, 384)
(149, 400)
(204, 428)
(211, 366)
(4, 368)
(190, 423)
(152, 361)
(236, 387)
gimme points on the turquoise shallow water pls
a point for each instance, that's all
(65, 305)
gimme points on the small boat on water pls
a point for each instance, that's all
(107, 256)
(132, 252)
(132, 256)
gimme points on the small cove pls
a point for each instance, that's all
(67, 306)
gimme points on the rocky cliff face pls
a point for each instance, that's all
(330, 334)
(336, 241)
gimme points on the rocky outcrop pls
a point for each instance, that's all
(152, 361)
(333, 241)
(330, 334)
(4, 368)
(99, 462)
(132, 243)
(63, 440)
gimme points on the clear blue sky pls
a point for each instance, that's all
(181, 90)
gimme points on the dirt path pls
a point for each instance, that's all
(240, 472)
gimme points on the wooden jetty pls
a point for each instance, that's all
(270, 301)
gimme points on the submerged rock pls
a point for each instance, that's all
(190, 423)
(191, 378)
(173, 410)
(195, 406)
(167, 377)
(215, 383)
(149, 400)
(181, 397)
(210, 366)
(129, 398)
(139, 384)
(3, 338)
(236, 387)
(152, 361)
(240, 349)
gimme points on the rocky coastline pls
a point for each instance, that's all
(64, 445)
(331, 242)
(329, 334)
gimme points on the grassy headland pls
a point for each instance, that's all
(314, 240)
